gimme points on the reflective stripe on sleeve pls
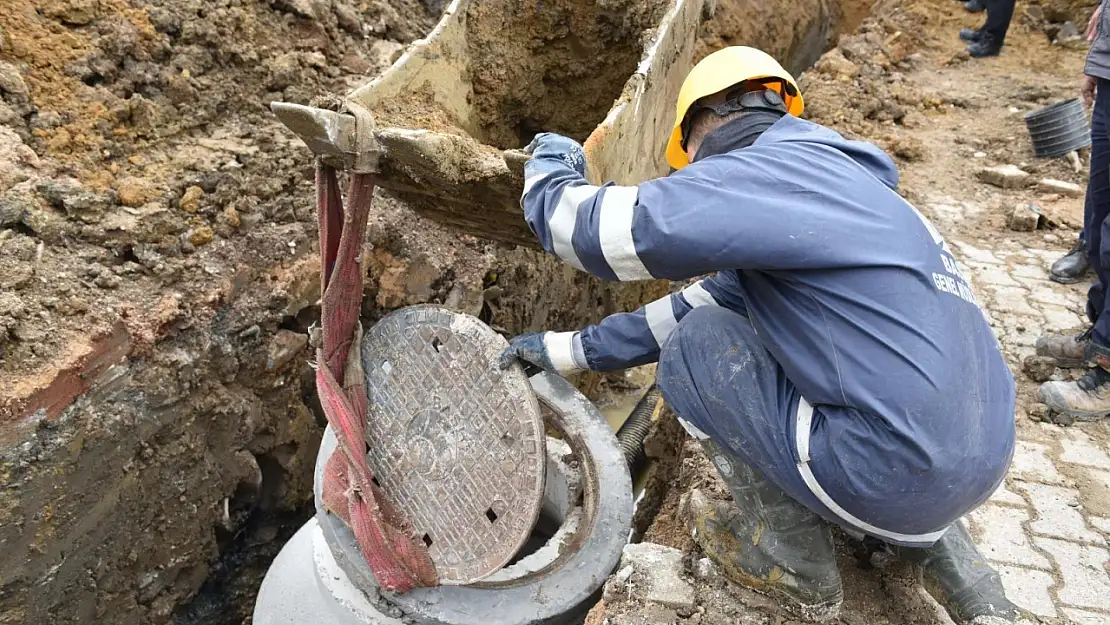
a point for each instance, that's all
(696, 295)
(660, 319)
(615, 233)
(563, 220)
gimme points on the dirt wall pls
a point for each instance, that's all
(157, 278)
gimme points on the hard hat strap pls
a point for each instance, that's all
(737, 100)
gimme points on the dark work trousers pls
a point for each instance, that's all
(999, 14)
(1096, 215)
(726, 386)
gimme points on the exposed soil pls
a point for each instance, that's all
(158, 273)
(556, 82)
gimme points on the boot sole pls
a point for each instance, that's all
(1066, 363)
(816, 612)
(1054, 401)
(1059, 280)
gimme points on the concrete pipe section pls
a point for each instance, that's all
(321, 577)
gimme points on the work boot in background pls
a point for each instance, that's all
(1068, 350)
(985, 45)
(1072, 266)
(766, 541)
(1087, 398)
(960, 579)
(975, 6)
(969, 35)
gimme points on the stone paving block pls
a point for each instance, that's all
(1047, 295)
(1083, 617)
(1025, 217)
(1029, 589)
(1001, 537)
(659, 574)
(1048, 256)
(1100, 523)
(1030, 271)
(1006, 496)
(1058, 514)
(995, 275)
(1004, 176)
(1080, 449)
(1085, 583)
(1032, 465)
(1014, 300)
(1102, 478)
(1020, 339)
(1050, 185)
(1059, 318)
(976, 254)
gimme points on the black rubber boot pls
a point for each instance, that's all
(975, 6)
(767, 541)
(984, 46)
(969, 35)
(1072, 266)
(961, 580)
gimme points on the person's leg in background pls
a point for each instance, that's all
(1073, 266)
(1089, 397)
(988, 40)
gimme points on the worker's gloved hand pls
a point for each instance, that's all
(557, 352)
(550, 145)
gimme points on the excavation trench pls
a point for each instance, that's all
(529, 67)
(559, 66)
(160, 488)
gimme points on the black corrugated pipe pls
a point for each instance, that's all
(631, 435)
(1059, 128)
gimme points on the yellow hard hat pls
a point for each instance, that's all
(721, 70)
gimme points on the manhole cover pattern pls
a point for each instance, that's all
(457, 443)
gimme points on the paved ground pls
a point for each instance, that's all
(1047, 528)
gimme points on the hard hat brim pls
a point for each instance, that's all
(677, 157)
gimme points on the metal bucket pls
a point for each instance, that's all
(1058, 129)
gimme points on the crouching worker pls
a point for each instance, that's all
(836, 368)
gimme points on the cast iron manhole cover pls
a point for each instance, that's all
(456, 443)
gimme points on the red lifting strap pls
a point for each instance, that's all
(399, 561)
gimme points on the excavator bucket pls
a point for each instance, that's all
(451, 114)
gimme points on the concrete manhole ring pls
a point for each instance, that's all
(558, 593)
(456, 442)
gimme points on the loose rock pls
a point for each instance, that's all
(836, 64)
(72, 12)
(284, 347)
(658, 575)
(1069, 189)
(13, 90)
(190, 201)
(1004, 176)
(1025, 218)
(1038, 412)
(200, 236)
(134, 192)
(1039, 368)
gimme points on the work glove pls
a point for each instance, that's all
(549, 145)
(557, 352)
